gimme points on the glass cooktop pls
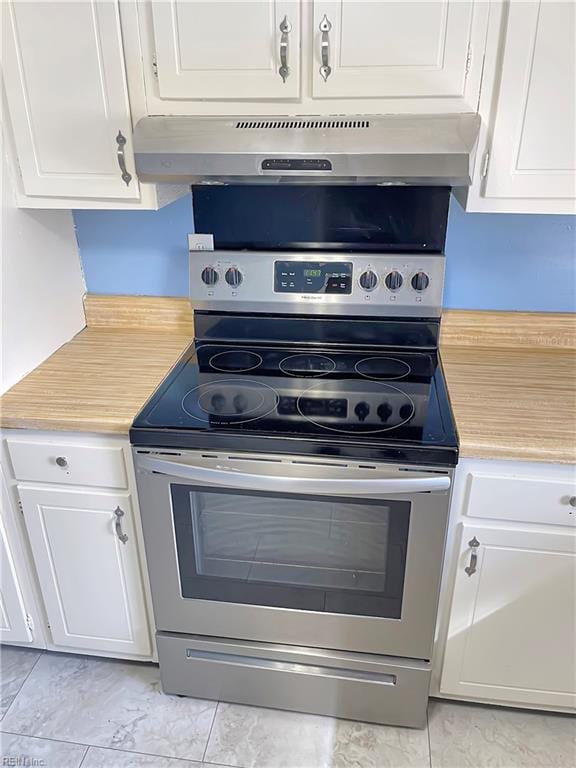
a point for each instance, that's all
(375, 397)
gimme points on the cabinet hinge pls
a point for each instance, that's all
(19, 169)
(468, 60)
(20, 507)
(485, 161)
(29, 622)
(154, 66)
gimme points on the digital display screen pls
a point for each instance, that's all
(312, 272)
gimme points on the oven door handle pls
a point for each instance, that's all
(330, 486)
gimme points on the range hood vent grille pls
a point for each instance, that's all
(301, 124)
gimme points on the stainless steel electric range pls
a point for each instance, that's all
(294, 469)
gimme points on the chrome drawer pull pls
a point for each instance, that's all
(325, 27)
(118, 525)
(471, 567)
(121, 141)
(62, 461)
(285, 28)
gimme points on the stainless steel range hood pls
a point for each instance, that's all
(389, 149)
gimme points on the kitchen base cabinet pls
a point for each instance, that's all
(85, 552)
(507, 622)
(14, 619)
(512, 631)
(75, 518)
(21, 619)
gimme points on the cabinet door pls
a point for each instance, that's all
(512, 630)
(65, 86)
(533, 152)
(226, 50)
(13, 620)
(377, 48)
(90, 579)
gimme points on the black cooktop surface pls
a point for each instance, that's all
(357, 402)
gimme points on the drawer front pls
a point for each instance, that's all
(395, 694)
(527, 500)
(67, 463)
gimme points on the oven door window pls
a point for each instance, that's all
(313, 553)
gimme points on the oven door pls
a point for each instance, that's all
(297, 551)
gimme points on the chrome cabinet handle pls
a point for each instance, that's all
(285, 28)
(325, 27)
(121, 141)
(572, 501)
(471, 567)
(61, 461)
(118, 525)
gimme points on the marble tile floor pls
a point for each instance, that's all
(65, 711)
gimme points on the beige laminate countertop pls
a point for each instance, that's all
(99, 380)
(513, 404)
(511, 376)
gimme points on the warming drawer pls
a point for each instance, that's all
(348, 685)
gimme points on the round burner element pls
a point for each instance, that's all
(389, 368)
(234, 401)
(307, 364)
(396, 408)
(235, 360)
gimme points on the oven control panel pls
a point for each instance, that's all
(408, 285)
(313, 277)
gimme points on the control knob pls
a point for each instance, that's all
(218, 402)
(209, 276)
(368, 280)
(420, 281)
(362, 410)
(406, 411)
(384, 412)
(240, 403)
(234, 277)
(394, 280)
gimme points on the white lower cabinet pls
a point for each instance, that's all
(14, 619)
(512, 631)
(86, 555)
(507, 620)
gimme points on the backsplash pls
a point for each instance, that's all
(494, 261)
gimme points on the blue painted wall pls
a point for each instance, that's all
(494, 261)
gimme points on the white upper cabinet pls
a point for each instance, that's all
(391, 49)
(353, 56)
(533, 152)
(65, 85)
(526, 160)
(227, 50)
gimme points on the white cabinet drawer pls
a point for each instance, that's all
(524, 499)
(72, 464)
